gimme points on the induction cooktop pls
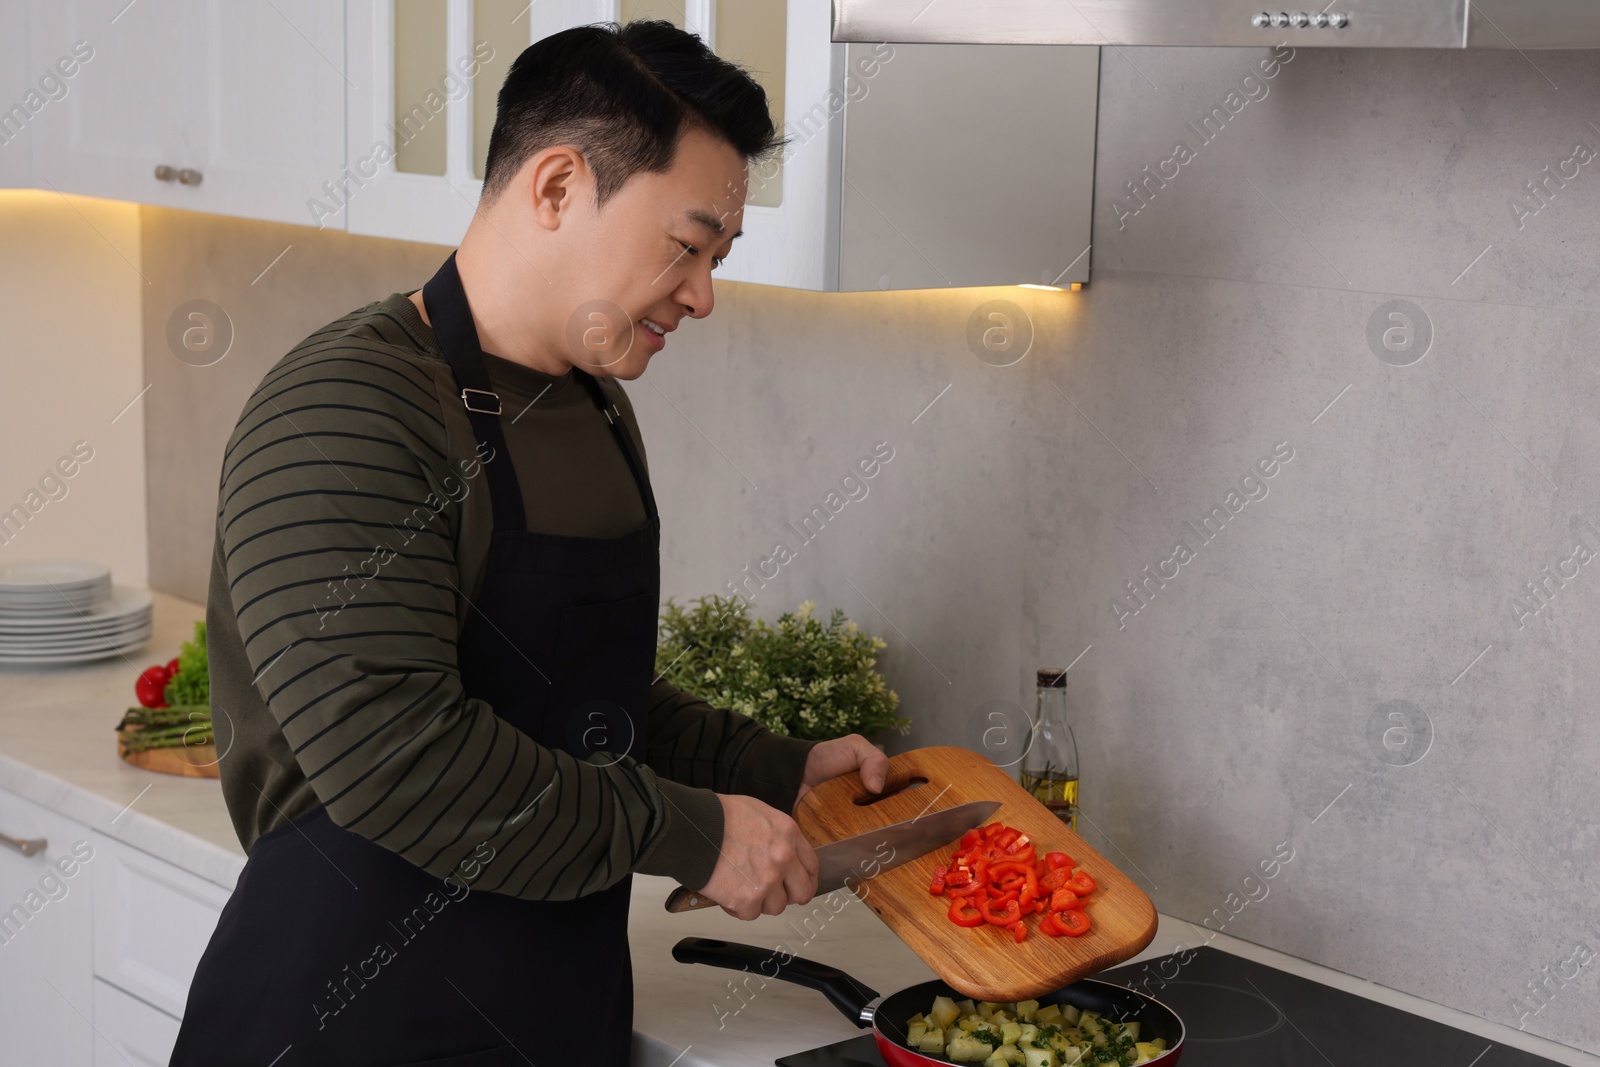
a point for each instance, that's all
(1236, 1011)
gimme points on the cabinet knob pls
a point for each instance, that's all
(28, 847)
(165, 173)
(189, 177)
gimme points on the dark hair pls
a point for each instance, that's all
(623, 95)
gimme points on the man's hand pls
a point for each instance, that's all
(829, 759)
(765, 864)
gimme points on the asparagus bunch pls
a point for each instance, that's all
(170, 727)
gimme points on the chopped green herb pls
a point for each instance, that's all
(988, 1036)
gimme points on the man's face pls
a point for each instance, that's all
(647, 255)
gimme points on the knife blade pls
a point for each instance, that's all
(838, 860)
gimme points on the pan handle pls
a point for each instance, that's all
(851, 997)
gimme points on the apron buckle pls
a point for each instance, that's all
(485, 408)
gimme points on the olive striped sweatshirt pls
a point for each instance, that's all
(353, 526)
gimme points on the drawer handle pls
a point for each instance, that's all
(26, 847)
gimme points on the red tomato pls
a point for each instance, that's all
(151, 687)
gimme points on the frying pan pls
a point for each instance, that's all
(886, 1016)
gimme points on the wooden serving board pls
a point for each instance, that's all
(190, 761)
(984, 962)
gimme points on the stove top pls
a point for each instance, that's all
(1236, 1011)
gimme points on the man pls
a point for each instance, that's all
(432, 613)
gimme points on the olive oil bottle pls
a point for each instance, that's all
(1050, 764)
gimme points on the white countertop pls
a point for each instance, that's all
(57, 749)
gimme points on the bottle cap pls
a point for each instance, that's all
(1052, 678)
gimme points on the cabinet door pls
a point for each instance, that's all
(22, 98)
(152, 923)
(130, 1031)
(267, 119)
(46, 962)
(242, 101)
(791, 232)
(424, 76)
(128, 105)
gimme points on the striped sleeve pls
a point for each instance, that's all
(350, 630)
(716, 748)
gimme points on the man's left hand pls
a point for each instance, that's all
(841, 755)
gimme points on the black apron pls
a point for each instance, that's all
(335, 950)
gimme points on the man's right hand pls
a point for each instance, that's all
(765, 865)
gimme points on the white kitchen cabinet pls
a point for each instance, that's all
(229, 106)
(424, 77)
(152, 922)
(22, 97)
(130, 1031)
(46, 980)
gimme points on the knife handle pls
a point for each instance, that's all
(685, 899)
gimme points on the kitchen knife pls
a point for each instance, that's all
(838, 860)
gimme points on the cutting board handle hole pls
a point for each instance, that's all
(873, 798)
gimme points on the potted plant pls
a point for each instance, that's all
(799, 676)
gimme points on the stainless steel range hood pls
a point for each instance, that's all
(1341, 24)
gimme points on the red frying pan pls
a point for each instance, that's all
(886, 1016)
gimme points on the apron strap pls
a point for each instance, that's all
(451, 318)
(620, 432)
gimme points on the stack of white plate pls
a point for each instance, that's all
(65, 611)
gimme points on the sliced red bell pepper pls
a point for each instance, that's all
(1080, 883)
(1072, 922)
(1008, 913)
(997, 876)
(962, 912)
(1062, 899)
(1018, 844)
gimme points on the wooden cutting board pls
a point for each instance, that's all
(984, 962)
(188, 761)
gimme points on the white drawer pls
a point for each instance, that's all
(130, 1030)
(152, 922)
